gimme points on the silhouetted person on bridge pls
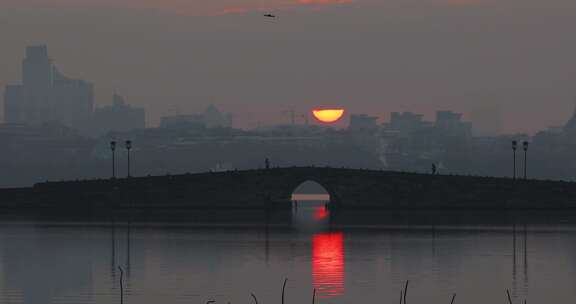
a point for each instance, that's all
(267, 163)
(434, 169)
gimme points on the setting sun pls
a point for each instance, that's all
(328, 115)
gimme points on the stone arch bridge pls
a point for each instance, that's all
(272, 188)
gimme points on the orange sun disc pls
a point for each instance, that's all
(328, 115)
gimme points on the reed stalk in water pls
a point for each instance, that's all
(121, 283)
(405, 291)
(509, 298)
(283, 289)
(314, 296)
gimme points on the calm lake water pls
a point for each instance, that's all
(54, 262)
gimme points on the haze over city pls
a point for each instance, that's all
(287, 151)
(512, 60)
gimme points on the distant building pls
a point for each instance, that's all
(118, 117)
(46, 95)
(406, 124)
(210, 118)
(570, 126)
(449, 123)
(213, 118)
(408, 141)
(40, 145)
(363, 123)
(363, 132)
(182, 121)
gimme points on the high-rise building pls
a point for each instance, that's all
(570, 126)
(118, 117)
(46, 95)
(363, 123)
(406, 123)
(210, 118)
(37, 69)
(213, 118)
(449, 123)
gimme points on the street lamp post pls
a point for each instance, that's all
(514, 147)
(113, 149)
(525, 147)
(128, 147)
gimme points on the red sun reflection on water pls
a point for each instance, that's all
(328, 264)
(320, 213)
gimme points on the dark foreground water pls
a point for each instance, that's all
(55, 262)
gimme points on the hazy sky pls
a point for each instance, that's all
(513, 57)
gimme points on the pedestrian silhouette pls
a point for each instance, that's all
(434, 169)
(267, 163)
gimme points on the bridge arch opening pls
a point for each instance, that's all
(310, 191)
(310, 201)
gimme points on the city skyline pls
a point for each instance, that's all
(42, 81)
(46, 95)
(261, 151)
(512, 58)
